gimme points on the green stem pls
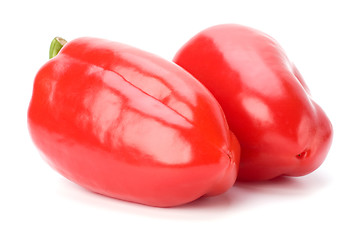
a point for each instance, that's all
(55, 46)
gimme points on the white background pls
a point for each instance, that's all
(321, 37)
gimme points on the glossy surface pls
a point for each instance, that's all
(268, 106)
(130, 125)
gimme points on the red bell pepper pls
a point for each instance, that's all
(281, 130)
(127, 124)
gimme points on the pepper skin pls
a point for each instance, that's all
(268, 106)
(127, 124)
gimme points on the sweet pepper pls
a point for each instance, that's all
(127, 124)
(281, 129)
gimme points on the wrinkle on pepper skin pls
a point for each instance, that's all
(157, 74)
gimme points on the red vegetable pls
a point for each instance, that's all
(281, 130)
(130, 125)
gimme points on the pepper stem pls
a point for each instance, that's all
(55, 46)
